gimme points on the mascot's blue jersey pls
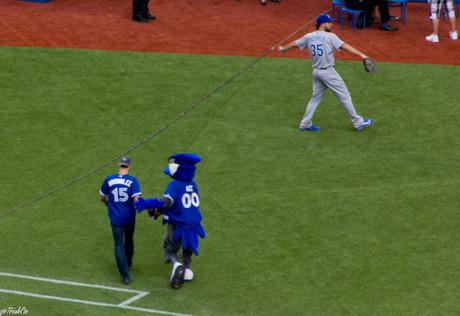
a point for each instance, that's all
(120, 191)
(185, 210)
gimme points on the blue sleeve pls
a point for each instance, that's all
(171, 192)
(104, 188)
(135, 188)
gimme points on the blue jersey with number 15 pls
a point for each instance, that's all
(186, 203)
(120, 191)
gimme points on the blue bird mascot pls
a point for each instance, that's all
(179, 206)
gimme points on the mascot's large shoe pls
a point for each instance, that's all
(188, 276)
(177, 276)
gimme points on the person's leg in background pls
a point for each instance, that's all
(137, 11)
(146, 12)
(384, 11)
(435, 7)
(450, 7)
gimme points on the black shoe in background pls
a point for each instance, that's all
(148, 16)
(139, 19)
(386, 27)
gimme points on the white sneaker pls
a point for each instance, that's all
(432, 38)
(453, 35)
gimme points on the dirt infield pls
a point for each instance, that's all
(225, 27)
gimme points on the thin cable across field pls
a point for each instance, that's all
(159, 130)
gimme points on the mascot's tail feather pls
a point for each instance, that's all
(189, 236)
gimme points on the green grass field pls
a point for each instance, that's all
(330, 223)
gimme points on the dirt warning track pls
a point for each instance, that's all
(223, 27)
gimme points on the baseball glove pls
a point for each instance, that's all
(154, 212)
(369, 65)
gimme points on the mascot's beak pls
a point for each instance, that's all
(172, 168)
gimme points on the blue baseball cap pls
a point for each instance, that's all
(124, 161)
(323, 18)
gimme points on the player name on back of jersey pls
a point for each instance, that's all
(120, 181)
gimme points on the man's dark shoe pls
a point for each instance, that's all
(386, 27)
(139, 19)
(394, 18)
(126, 281)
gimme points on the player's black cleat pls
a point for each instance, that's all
(177, 276)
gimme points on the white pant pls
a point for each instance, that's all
(329, 78)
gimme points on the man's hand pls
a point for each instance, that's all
(104, 200)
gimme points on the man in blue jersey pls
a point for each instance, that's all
(119, 192)
(180, 208)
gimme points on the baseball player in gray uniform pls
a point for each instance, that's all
(321, 45)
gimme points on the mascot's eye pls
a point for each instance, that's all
(173, 168)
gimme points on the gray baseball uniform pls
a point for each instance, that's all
(321, 45)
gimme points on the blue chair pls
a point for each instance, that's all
(403, 5)
(355, 14)
(339, 4)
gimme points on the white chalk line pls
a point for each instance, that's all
(134, 298)
(96, 286)
(122, 305)
(73, 300)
